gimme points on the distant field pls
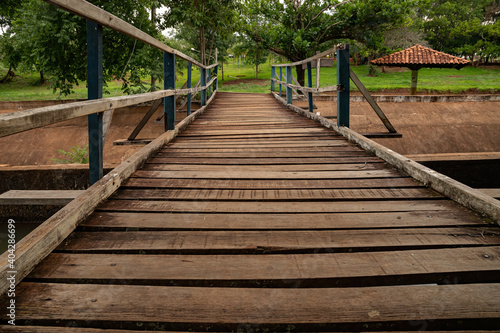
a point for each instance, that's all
(242, 79)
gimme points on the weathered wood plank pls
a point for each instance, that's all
(292, 151)
(258, 144)
(38, 197)
(273, 168)
(254, 221)
(276, 207)
(271, 183)
(250, 241)
(63, 329)
(306, 270)
(263, 161)
(236, 174)
(276, 195)
(112, 303)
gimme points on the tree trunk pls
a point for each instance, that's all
(256, 71)
(153, 19)
(300, 74)
(9, 76)
(42, 78)
(202, 46)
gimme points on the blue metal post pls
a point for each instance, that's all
(169, 83)
(310, 84)
(273, 76)
(289, 81)
(281, 79)
(203, 73)
(343, 81)
(189, 69)
(94, 68)
(210, 86)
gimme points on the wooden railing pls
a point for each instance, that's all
(344, 73)
(94, 108)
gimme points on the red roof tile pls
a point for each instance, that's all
(418, 56)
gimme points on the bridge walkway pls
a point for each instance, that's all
(258, 219)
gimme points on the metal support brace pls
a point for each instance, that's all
(94, 68)
(281, 79)
(273, 76)
(203, 75)
(289, 81)
(343, 80)
(169, 83)
(309, 81)
(189, 70)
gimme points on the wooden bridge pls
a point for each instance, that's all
(257, 219)
(251, 216)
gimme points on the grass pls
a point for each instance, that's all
(242, 79)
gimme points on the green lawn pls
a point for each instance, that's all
(483, 80)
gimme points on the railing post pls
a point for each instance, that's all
(203, 83)
(94, 68)
(189, 70)
(169, 83)
(343, 81)
(289, 81)
(309, 84)
(273, 75)
(281, 79)
(208, 80)
(216, 72)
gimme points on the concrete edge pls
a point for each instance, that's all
(461, 193)
(38, 244)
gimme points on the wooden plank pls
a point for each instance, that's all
(251, 144)
(236, 174)
(263, 161)
(64, 329)
(274, 168)
(492, 192)
(255, 221)
(235, 306)
(270, 183)
(250, 241)
(276, 207)
(294, 270)
(309, 131)
(38, 197)
(20, 121)
(268, 154)
(294, 151)
(276, 195)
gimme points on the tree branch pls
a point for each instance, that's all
(327, 8)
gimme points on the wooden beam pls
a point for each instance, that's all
(38, 197)
(305, 61)
(145, 119)
(371, 101)
(20, 121)
(100, 16)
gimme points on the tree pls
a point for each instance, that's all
(253, 52)
(210, 19)
(296, 29)
(53, 41)
(464, 27)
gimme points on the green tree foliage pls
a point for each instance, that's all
(464, 27)
(296, 29)
(205, 24)
(53, 41)
(254, 53)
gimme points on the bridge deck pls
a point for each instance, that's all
(257, 219)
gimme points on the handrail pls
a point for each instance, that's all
(91, 12)
(315, 57)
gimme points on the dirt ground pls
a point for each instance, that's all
(427, 128)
